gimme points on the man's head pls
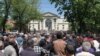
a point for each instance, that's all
(47, 36)
(30, 43)
(11, 38)
(59, 35)
(86, 46)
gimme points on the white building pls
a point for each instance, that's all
(50, 22)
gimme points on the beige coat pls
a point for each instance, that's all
(59, 47)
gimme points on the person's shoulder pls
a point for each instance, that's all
(59, 42)
(56, 41)
(78, 54)
(9, 50)
(91, 54)
(84, 54)
(9, 47)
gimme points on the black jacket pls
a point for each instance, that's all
(97, 53)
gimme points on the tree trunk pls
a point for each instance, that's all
(7, 7)
(4, 21)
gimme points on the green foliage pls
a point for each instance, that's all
(8, 27)
(82, 14)
(24, 11)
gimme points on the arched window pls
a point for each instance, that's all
(48, 23)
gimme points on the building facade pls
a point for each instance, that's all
(50, 21)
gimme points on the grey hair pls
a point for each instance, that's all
(86, 46)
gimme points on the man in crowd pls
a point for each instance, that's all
(28, 50)
(45, 43)
(12, 48)
(59, 45)
(39, 50)
(48, 45)
(85, 46)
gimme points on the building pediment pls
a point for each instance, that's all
(49, 14)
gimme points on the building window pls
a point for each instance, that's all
(62, 26)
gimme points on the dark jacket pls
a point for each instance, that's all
(28, 52)
(97, 53)
(44, 44)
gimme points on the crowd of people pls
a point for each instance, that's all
(49, 44)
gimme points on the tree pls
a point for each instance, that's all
(8, 27)
(5, 5)
(1, 23)
(78, 12)
(7, 8)
(28, 11)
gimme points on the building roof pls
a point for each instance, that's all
(49, 14)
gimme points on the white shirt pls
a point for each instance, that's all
(84, 54)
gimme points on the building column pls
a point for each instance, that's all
(55, 23)
(41, 25)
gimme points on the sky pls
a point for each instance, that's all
(46, 6)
